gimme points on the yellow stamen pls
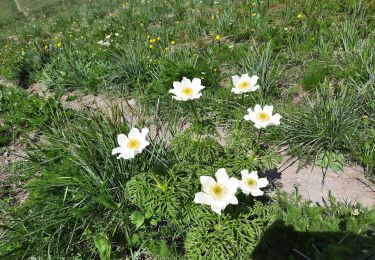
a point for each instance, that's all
(263, 117)
(218, 191)
(134, 144)
(251, 182)
(187, 91)
(244, 85)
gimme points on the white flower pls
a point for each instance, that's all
(217, 194)
(262, 117)
(250, 183)
(244, 83)
(186, 89)
(132, 144)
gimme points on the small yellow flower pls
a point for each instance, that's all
(152, 41)
(159, 38)
(166, 48)
(217, 38)
(151, 46)
(253, 14)
(177, 22)
(45, 46)
(173, 42)
(59, 45)
(300, 16)
(148, 36)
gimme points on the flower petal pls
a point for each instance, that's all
(235, 80)
(275, 119)
(117, 150)
(206, 182)
(222, 176)
(262, 182)
(122, 139)
(268, 110)
(256, 192)
(257, 109)
(202, 198)
(244, 173)
(233, 184)
(254, 175)
(144, 131)
(253, 80)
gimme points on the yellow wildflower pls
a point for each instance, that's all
(300, 16)
(173, 42)
(59, 45)
(217, 38)
(253, 14)
(151, 46)
(159, 38)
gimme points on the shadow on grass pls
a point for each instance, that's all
(283, 242)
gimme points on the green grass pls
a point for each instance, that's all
(84, 203)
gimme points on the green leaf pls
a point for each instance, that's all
(103, 245)
(137, 218)
(107, 202)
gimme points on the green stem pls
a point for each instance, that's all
(258, 140)
(196, 120)
(238, 113)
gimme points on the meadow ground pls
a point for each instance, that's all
(76, 74)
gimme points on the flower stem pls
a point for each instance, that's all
(196, 120)
(258, 140)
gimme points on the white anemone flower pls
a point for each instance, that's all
(262, 117)
(218, 194)
(251, 183)
(132, 144)
(187, 89)
(244, 83)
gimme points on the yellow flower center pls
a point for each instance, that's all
(251, 182)
(134, 144)
(187, 91)
(218, 191)
(244, 85)
(263, 117)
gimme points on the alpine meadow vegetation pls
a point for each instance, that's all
(197, 104)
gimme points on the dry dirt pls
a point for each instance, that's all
(349, 186)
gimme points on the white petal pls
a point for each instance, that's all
(222, 176)
(232, 185)
(122, 140)
(256, 192)
(117, 150)
(178, 98)
(258, 126)
(216, 209)
(145, 131)
(185, 82)
(254, 175)
(202, 198)
(236, 91)
(127, 154)
(245, 77)
(235, 80)
(177, 85)
(275, 119)
(268, 110)
(196, 82)
(255, 88)
(134, 133)
(253, 80)
(244, 173)
(262, 182)
(206, 182)
(234, 200)
(196, 96)
(257, 109)
(244, 188)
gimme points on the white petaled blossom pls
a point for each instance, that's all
(244, 83)
(217, 194)
(132, 144)
(262, 117)
(251, 183)
(187, 89)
